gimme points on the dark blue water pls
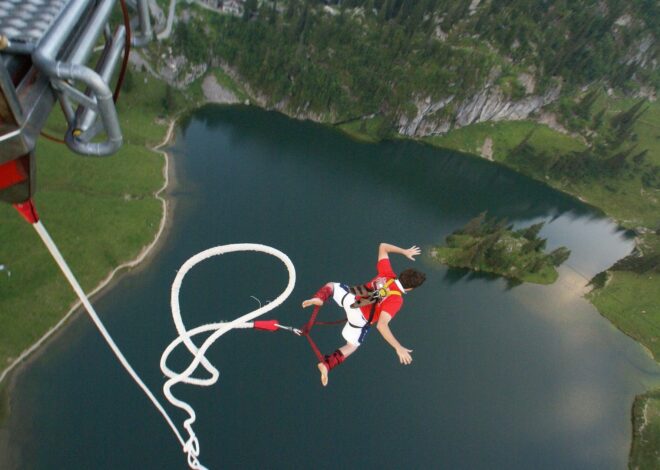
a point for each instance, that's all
(512, 378)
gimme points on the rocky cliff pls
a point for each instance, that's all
(489, 104)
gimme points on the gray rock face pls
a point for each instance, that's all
(490, 104)
(420, 124)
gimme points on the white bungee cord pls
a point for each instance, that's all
(191, 444)
(191, 447)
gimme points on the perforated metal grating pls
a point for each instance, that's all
(26, 21)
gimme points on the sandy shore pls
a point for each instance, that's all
(8, 459)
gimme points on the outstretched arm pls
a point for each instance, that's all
(384, 250)
(384, 329)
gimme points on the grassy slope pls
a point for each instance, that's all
(72, 192)
(505, 136)
(637, 315)
(363, 130)
(646, 433)
(625, 200)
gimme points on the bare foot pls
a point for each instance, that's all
(313, 301)
(324, 373)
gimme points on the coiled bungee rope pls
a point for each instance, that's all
(190, 445)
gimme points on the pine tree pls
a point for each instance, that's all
(617, 162)
(531, 232)
(538, 264)
(558, 256)
(475, 226)
(496, 258)
(583, 108)
(624, 121)
(640, 158)
(598, 119)
(534, 246)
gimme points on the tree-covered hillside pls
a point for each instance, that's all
(342, 59)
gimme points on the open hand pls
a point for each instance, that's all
(411, 252)
(404, 355)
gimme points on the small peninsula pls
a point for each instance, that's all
(492, 245)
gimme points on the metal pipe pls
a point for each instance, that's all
(107, 113)
(51, 42)
(103, 95)
(16, 47)
(106, 68)
(87, 40)
(71, 68)
(146, 32)
(45, 58)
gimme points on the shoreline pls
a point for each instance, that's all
(164, 222)
(9, 374)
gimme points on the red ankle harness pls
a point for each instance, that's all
(333, 360)
(324, 293)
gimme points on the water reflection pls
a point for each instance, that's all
(454, 275)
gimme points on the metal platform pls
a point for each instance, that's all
(45, 47)
(24, 22)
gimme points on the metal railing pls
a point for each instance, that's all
(58, 37)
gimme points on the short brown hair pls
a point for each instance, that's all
(411, 278)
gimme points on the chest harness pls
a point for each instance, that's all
(368, 295)
(372, 295)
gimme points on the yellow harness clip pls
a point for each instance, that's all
(385, 292)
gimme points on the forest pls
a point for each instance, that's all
(359, 57)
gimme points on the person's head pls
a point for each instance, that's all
(411, 278)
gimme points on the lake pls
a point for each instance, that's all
(503, 377)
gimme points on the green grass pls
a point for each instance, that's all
(363, 130)
(644, 452)
(632, 301)
(505, 136)
(623, 200)
(100, 211)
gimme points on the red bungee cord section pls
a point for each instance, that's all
(273, 325)
(308, 328)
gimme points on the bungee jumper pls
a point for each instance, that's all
(375, 302)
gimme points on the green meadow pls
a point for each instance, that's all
(101, 212)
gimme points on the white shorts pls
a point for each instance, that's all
(356, 327)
